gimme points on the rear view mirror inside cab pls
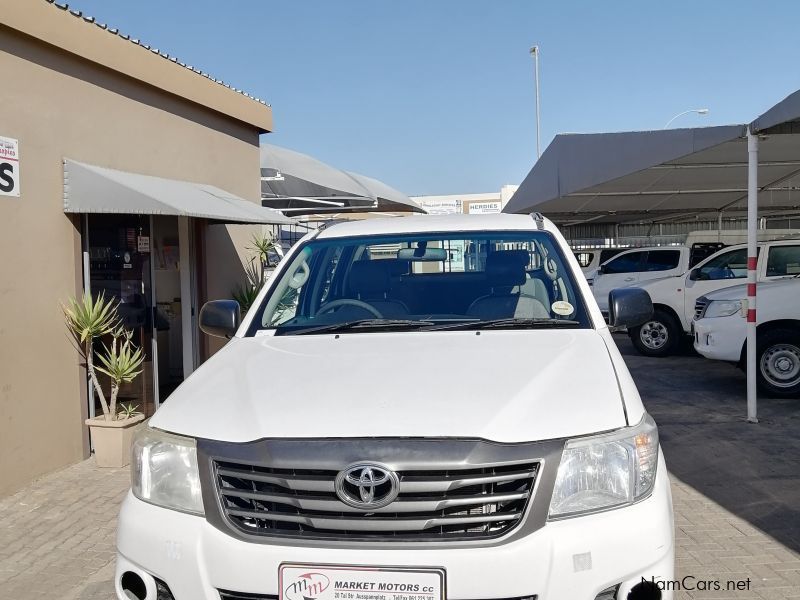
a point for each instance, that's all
(422, 254)
(301, 272)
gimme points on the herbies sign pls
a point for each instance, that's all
(9, 167)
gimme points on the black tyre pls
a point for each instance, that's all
(660, 336)
(778, 365)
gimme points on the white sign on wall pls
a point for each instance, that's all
(9, 167)
(485, 208)
(441, 207)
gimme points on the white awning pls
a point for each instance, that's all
(93, 189)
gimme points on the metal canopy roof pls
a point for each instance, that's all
(296, 183)
(676, 175)
(93, 189)
(667, 175)
(785, 114)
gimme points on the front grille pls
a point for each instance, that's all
(700, 307)
(469, 503)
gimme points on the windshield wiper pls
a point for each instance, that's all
(507, 323)
(373, 324)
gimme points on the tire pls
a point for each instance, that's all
(778, 366)
(660, 336)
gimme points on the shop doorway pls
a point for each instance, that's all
(144, 263)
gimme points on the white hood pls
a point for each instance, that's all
(739, 292)
(505, 386)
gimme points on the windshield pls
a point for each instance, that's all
(423, 282)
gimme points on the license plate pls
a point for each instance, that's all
(344, 582)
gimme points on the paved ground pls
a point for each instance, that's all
(735, 485)
(736, 490)
(57, 535)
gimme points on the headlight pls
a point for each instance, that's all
(164, 471)
(723, 308)
(606, 471)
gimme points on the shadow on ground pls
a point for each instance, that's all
(752, 470)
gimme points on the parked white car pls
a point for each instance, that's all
(590, 259)
(407, 428)
(632, 267)
(675, 299)
(720, 332)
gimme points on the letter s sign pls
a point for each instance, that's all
(9, 167)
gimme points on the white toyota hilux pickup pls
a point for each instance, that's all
(395, 419)
(720, 332)
(677, 299)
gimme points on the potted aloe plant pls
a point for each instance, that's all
(89, 319)
(264, 254)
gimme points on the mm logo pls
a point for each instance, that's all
(308, 586)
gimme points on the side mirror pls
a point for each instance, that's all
(601, 269)
(629, 307)
(697, 274)
(220, 318)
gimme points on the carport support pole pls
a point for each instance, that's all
(752, 261)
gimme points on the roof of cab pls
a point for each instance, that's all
(433, 223)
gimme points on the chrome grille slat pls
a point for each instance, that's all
(399, 506)
(375, 524)
(459, 502)
(413, 484)
(309, 484)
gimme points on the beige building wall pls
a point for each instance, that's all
(59, 105)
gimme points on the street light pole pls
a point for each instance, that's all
(535, 55)
(699, 111)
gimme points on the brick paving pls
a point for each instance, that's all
(736, 491)
(57, 535)
(735, 485)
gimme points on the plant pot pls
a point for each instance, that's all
(112, 440)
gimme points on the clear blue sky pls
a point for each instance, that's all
(436, 97)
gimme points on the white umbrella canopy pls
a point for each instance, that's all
(295, 181)
(297, 184)
(389, 199)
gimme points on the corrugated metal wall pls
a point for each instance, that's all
(658, 234)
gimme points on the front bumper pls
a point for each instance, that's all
(573, 559)
(720, 338)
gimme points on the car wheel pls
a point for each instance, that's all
(779, 362)
(659, 336)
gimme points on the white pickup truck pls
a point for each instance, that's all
(406, 427)
(629, 268)
(720, 332)
(590, 259)
(675, 298)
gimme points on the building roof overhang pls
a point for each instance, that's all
(55, 24)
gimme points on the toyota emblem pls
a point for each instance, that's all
(367, 486)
